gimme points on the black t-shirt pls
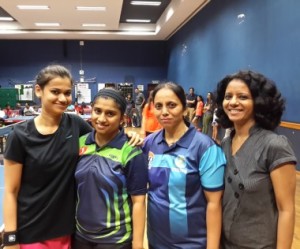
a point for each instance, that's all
(46, 200)
(191, 98)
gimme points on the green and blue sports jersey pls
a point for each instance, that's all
(178, 176)
(106, 177)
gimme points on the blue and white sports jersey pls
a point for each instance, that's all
(177, 177)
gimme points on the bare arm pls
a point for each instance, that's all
(213, 218)
(138, 220)
(12, 176)
(284, 184)
(143, 126)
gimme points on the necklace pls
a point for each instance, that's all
(172, 141)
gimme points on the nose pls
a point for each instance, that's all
(165, 110)
(234, 101)
(62, 98)
(101, 117)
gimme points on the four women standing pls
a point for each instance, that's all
(186, 171)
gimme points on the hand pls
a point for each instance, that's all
(17, 246)
(135, 138)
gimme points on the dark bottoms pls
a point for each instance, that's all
(77, 244)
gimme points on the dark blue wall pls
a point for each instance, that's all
(139, 62)
(216, 42)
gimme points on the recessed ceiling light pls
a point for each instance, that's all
(138, 20)
(148, 3)
(89, 8)
(93, 25)
(33, 7)
(47, 24)
(6, 19)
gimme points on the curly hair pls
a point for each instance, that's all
(268, 102)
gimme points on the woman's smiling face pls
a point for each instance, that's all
(238, 103)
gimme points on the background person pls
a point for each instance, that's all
(8, 111)
(28, 110)
(197, 120)
(128, 111)
(191, 103)
(259, 197)
(208, 113)
(111, 179)
(149, 121)
(186, 178)
(139, 104)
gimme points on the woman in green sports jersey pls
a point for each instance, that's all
(111, 179)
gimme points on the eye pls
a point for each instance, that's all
(158, 106)
(244, 97)
(68, 93)
(55, 92)
(110, 114)
(171, 105)
(97, 111)
(227, 96)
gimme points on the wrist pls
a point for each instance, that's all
(10, 238)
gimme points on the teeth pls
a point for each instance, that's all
(234, 111)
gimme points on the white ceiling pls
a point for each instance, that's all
(64, 12)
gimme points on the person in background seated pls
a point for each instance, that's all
(186, 178)
(70, 108)
(28, 110)
(78, 108)
(2, 114)
(149, 121)
(8, 111)
(20, 109)
(259, 196)
(111, 179)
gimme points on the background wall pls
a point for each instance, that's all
(106, 61)
(228, 35)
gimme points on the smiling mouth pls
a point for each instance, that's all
(234, 111)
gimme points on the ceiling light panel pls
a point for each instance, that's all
(6, 19)
(139, 20)
(91, 8)
(93, 25)
(47, 24)
(33, 7)
(147, 3)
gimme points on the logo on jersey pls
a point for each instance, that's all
(180, 164)
(150, 159)
(82, 150)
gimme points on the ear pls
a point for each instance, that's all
(122, 120)
(185, 112)
(38, 90)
